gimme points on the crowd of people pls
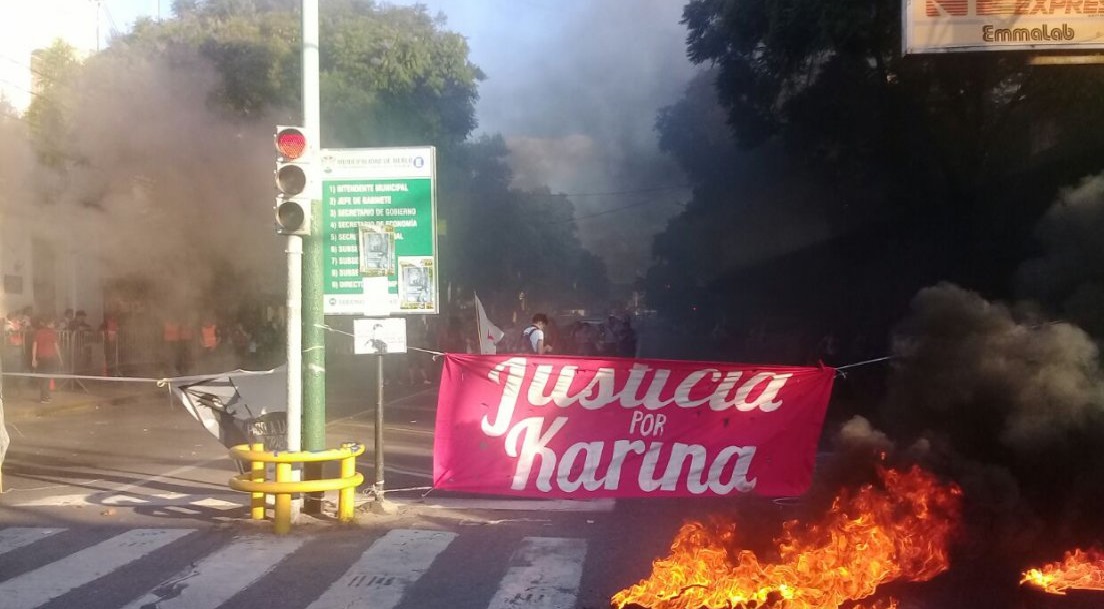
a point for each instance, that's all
(138, 343)
(613, 337)
(44, 345)
(144, 342)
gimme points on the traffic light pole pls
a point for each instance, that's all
(294, 349)
(313, 351)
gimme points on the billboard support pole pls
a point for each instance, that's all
(377, 488)
(314, 338)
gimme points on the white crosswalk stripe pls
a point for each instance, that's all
(51, 581)
(13, 539)
(213, 567)
(379, 578)
(213, 580)
(543, 574)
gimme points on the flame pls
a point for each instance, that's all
(1081, 570)
(872, 536)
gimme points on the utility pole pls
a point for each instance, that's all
(99, 10)
(314, 337)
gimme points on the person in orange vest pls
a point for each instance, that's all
(18, 329)
(13, 343)
(209, 339)
(185, 355)
(45, 356)
(170, 336)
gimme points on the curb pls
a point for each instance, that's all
(32, 409)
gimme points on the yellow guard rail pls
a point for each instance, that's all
(283, 487)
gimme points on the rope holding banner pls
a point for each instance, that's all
(840, 369)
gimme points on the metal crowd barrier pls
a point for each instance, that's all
(93, 352)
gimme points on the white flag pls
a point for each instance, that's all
(489, 334)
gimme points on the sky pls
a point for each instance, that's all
(573, 85)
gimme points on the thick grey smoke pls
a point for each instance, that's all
(1003, 398)
(990, 376)
(1006, 407)
(1069, 276)
(160, 185)
(17, 163)
(579, 117)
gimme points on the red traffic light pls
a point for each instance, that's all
(291, 143)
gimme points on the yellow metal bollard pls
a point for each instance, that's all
(345, 495)
(256, 498)
(284, 486)
(282, 518)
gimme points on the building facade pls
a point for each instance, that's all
(43, 269)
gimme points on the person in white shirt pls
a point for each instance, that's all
(534, 335)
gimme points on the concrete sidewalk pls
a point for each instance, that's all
(21, 395)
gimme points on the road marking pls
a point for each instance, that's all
(218, 501)
(382, 574)
(544, 573)
(224, 573)
(15, 538)
(169, 476)
(44, 584)
(533, 505)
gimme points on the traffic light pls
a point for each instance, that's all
(295, 179)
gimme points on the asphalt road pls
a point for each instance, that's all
(116, 497)
(119, 496)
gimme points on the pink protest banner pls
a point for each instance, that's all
(586, 428)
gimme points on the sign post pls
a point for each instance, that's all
(379, 337)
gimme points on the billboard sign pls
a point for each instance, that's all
(947, 26)
(379, 231)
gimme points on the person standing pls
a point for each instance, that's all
(626, 338)
(170, 339)
(209, 339)
(45, 357)
(533, 336)
(110, 330)
(15, 329)
(80, 342)
(610, 331)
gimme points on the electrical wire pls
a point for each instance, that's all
(614, 193)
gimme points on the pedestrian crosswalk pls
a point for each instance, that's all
(340, 568)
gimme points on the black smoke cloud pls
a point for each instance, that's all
(993, 376)
(1068, 277)
(160, 185)
(1006, 399)
(1003, 400)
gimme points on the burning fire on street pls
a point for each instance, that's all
(898, 530)
(1078, 570)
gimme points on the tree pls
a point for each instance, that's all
(390, 75)
(503, 241)
(53, 69)
(167, 141)
(903, 170)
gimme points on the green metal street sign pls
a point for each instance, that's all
(379, 230)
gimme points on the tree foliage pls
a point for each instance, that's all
(53, 70)
(504, 241)
(390, 76)
(901, 170)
